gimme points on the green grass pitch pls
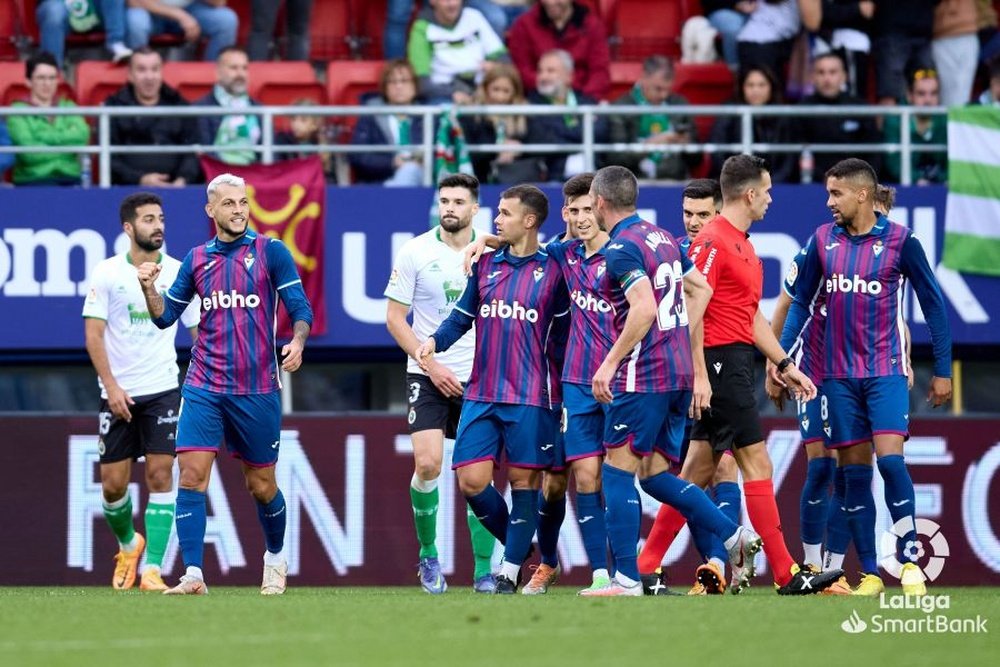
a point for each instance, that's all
(404, 626)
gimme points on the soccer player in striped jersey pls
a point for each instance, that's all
(427, 279)
(232, 388)
(514, 297)
(649, 379)
(136, 366)
(860, 264)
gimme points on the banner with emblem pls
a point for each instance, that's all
(288, 202)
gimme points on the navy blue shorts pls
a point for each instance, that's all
(250, 425)
(526, 434)
(860, 408)
(648, 422)
(583, 422)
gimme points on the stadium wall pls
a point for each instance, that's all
(50, 239)
(345, 479)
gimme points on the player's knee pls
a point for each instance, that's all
(725, 471)
(554, 486)
(193, 478)
(587, 482)
(114, 490)
(471, 486)
(262, 489)
(427, 469)
(159, 481)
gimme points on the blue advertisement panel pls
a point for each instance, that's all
(51, 238)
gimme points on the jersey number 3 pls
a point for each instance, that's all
(669, 315)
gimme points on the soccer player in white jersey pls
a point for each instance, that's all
(136, 366)
(427, 278)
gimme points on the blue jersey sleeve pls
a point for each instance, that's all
(914, 265)
(625, 263)
(286, 281)
(809, 279)
(462, 316)
(791, 278)
(558, 247)
(178, 297)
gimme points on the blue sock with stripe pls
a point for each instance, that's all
(900, 498)
(522, 524)
(691, 501)
(730, 502)
(859, 507)
(814, 501)
(190, 519)
(550, 519)
(838, 535)
(272, 518)
(623, 516)
(590, 516)
(491, 510)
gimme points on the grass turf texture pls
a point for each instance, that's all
(404, 626)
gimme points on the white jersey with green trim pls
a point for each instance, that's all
(143, 358)
(429, 277)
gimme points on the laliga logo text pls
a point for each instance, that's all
(507, 311)
(233, 299)
(589, 302)
(856, 285)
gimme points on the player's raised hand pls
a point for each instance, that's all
(148, 273)
(799, 384)
(601, 383)
(701, 397)
(442, 377)
(472, 253)
(291, 356)
(118, 401)
(425, 353)
(940, 391)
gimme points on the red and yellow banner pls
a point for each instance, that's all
(288, 202)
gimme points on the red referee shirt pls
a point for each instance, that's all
(728, 261)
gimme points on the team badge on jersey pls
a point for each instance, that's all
(539, 273)
(602, 269)
(248, 260)
(878, 247)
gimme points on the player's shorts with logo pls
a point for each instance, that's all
(249, 424)
(429, 408)
(862, 407)
(151, 431)
(524, 434)
(583, 419)
(813, 418)
(648, 422)
(732, 421)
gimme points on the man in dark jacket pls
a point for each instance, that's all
(829, 81)
(237, 133)
(654, 90)
(903, 32)
(145, 88)
(555, 86)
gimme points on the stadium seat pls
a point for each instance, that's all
(14, 88)
(704, 84)
(330, 29)
(369, 20)
(647, 27)
(348, 80)
(8, 35)
(192, 79)
(283, 82)
(96, 80)
(624, 74)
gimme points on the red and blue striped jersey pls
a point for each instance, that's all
(862, 278)
(239, 284)
(807, 350)
(661, 361)
(513, 302)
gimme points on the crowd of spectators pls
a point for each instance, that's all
(504, 52)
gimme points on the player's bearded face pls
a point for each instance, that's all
(230, 209)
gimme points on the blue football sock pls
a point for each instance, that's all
(691, 501)
(189, 516)
(729, 500)
(859, 506)
(522, 524)
(815, 499)
(623, 518)
(838, 535)
(704, 541)
(272, 519)
(590, 516)
(491, 510)
(550, 519)
(900, 498)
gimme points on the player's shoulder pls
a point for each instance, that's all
(421, 244)
(170, 262)
(110, 266)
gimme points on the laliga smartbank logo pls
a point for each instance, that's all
(927, 549)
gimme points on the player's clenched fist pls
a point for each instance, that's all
(148, 272)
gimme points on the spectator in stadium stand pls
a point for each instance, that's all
(306, 128)
(768, 36)
(554, 85)
(145, 88)
(955, 48)
(501, 85)
(234, 135)
(903, 41)
(728, 17)
(42, 168)
(450, 48)
(756, 86)
(989, 35)
(56, 18)
(397, 87)
(190, 18)
(925, 168)
(6, 159)
(844, 26)
(829, 78)
(399, 12)
(264, 16)
(991, 96)
(654, 89)
(566, 25)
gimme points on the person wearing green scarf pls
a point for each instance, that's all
(236, 134)
(654, 89)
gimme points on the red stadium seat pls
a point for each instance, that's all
(369, 20)
(96, 80)
(648, 27)
(624, 74)
(8, 34)
(704, 84)
(330, 28)
(192, 79)
(348, 80)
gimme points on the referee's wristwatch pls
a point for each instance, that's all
(784, 364)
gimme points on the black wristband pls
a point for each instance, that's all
(784, 364)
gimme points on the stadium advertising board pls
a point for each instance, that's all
(51, 239)
(345, 481)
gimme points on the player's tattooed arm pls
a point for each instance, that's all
(148, 272)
